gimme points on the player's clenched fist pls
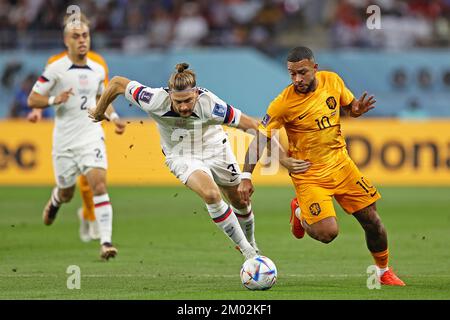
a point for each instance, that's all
(245, 190)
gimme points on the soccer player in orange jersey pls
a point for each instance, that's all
(317, 159)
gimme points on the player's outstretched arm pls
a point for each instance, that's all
(36, 100)
(360, 106)
(252, 157)
(248, 124)
(115, 87)
(114, 118)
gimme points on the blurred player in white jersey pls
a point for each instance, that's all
(195, 145)
(88, 224)
(71, 83)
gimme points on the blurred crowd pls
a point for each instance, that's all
(134, 25)
(137, 24)
(404, 24)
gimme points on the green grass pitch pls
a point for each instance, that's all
(170, 249)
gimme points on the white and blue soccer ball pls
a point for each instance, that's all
(258, 273)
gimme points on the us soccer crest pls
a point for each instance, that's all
(331, 103)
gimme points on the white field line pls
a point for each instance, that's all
(131, 275)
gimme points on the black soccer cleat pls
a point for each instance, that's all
(49, 214)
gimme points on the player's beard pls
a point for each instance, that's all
(310, 87)
(82, 55)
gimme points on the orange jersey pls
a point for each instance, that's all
(312, 123)
(91, 55)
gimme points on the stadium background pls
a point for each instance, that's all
(238, 49)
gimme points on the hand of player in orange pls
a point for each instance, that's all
(245, 190)
(363, 105)
(63, 96)
(34, 115)
(120, 126)
(295, 165)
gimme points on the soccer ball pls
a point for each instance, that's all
(258, 273)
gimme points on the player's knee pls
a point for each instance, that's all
(99, 189)
(327, 236)
(237, 202)
(212, 196)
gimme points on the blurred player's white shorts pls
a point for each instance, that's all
(68, 165)
(222, 167)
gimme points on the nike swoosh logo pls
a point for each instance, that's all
(373, 194)
(301, 117)
(234, 179)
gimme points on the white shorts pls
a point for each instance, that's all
(68, 165)
(222, 167)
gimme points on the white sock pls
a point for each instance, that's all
(297, 212)
(55, 197)
(223, 217)
(104, 214)
(381, 271)
(246, 219)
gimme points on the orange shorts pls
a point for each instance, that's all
(347, 185)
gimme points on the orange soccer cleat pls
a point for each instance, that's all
(296, 226)
(389, 278)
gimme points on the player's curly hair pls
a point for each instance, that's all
(299, 53)
(183, 78)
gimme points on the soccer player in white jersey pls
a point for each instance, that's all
(195, 145)
(71, 84)
(88, 223)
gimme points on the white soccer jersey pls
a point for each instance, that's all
(73, 128)
(197, 135)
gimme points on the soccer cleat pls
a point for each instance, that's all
(255, 247)
(389, 278)
(253, 244)
(49, 214)
(84, 227)
(107, 251)
(296, 226)
(250, 253)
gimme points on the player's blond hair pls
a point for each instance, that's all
(68, 23)
(182, 79)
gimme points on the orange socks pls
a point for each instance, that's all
(88, 199)
(381, 258)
